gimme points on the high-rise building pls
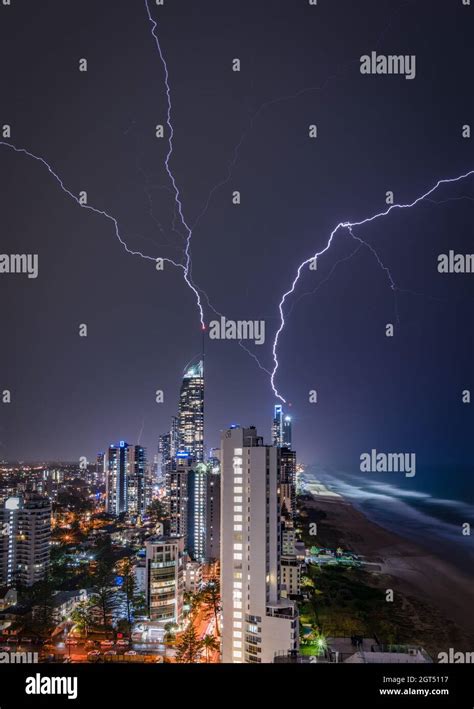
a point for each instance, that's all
(176, 481)
(25, 532)
(290, 576)
(137, 482)
(193, 499)
(164, 450)
(281, 428)
(164, 580)
(151, 477)
(197, 512)
(288, 481)
(125, 479)
(100, 469)
(168, 444)
(290, 563)
(191, 413)
(117, 472)
(174, 436)
(213, 511)
(257, 622)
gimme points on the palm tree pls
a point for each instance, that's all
(210, 644)
(210, 596)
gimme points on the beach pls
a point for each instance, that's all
(433, 583)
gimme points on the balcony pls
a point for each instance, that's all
(281, 611)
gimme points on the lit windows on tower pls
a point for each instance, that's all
(281, 428)
(190, 432)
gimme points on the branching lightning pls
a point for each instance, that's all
(349, 226)
(186, 267)
(178, 202)
(84, 205)
(392, 283)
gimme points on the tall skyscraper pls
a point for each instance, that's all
(213, 510)
(191, 413)
(174, 436)
(164, 450)
(257, 622)
(176, 481)
(100, 469)
(125, 479)
(136, 483)
(197, 511)
(288, 481)
(117, 471)
(281, 428)
(25, 532)
(185, 471)
(168, 444)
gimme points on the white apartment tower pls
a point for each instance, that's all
(25, 532)
(257, 622)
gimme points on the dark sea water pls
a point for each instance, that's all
(428, 509)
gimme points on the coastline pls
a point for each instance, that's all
(410, 569)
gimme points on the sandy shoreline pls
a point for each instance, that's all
(415, 571)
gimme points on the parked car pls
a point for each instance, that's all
(122, 643)
(106, 643)
(130, 652)
(93, 656)
(110, 652)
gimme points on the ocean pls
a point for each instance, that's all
(431, 509)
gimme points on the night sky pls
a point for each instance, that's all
(73, 396)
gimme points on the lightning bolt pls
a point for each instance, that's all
(186, 266)
(102, 212)
(392, 283)
(325, 280)
(177, 194)
(349, 226)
